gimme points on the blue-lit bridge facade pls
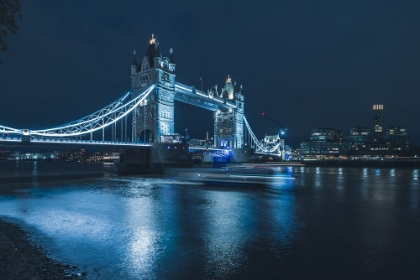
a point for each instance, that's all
(145, 116)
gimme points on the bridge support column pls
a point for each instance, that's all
(135, 161)
(125, 127)
(114, 131)
(133, 126)
(153, 159)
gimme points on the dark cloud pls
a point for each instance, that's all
(306, 64)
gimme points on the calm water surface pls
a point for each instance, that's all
(340, 223)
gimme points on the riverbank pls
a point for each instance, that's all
(22, 258)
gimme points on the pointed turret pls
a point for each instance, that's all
(153, 51)
(134, 65)
(228, 90)
(171, 57)
(134, 61)
(171, 60)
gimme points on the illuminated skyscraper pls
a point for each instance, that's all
(377, 121)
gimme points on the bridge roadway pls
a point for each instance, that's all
(43, 141)
(16, 141)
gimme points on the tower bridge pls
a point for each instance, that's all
(150, 106)
(155, 116)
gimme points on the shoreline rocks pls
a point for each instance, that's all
(22, 258)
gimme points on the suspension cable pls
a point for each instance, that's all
(98, 120)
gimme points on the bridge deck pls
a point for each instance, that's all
(19, 141)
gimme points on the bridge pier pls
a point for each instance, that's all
(153, 159)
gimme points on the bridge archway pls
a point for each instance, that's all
(147, 136)
(225, 143)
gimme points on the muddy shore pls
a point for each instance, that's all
(22, 258)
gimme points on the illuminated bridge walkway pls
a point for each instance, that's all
(107, 118)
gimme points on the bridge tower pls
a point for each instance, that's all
(229, 123)
(155, 116)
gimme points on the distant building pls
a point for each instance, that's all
(79, 155)
(330, 142)
(325, 141)
(198, 142)
(171, 138)
(326, 134)
(360, 133)
(397, 138)
(377, 121)
(359, 138)
(4, 154)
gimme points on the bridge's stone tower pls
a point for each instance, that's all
(229, 123)
(154, 118)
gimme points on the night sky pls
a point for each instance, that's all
(306, 64)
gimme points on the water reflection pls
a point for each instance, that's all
(280, 218)
(415, 174)
(160, 228)
(17, 169)
(227, 220)
(302, 178)
(340, 181)
(318, 177)
(142, 233)
(392, 172)
(415, 189)
(365, 183)
(35, 168)
(238, 221)
(365, 172)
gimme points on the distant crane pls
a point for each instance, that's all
(282, 128)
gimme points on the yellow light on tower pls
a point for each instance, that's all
(152, 40)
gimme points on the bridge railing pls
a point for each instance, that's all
(91, 142)
(42, 140)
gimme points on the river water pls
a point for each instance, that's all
(339, 223)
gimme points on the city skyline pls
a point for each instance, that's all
(73, 60)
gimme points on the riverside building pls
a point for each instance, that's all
(324, 141)
(397, 138)
(377, 121)
(331, 142)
